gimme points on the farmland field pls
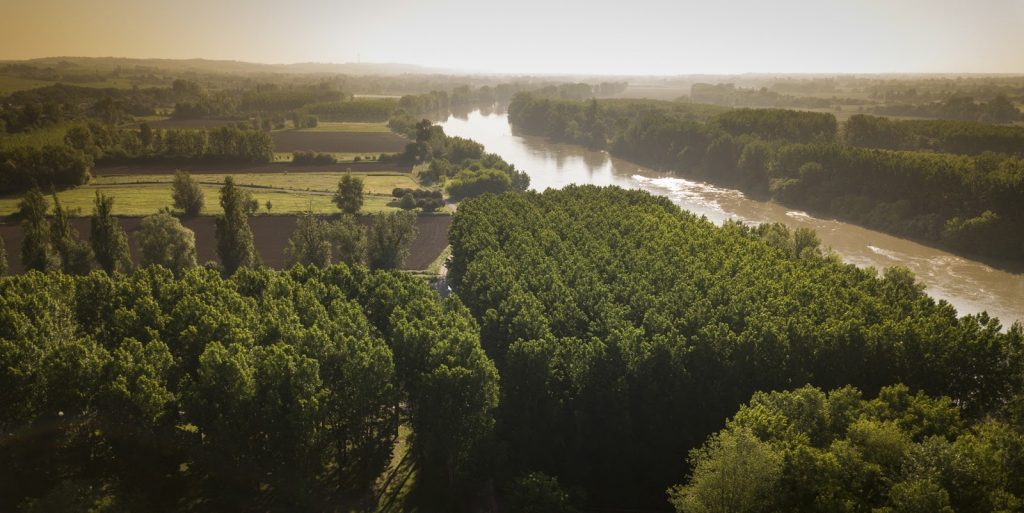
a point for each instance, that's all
(322, 141)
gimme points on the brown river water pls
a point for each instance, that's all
(968, 285)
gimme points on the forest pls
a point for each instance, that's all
(626, 332)
(860, 171)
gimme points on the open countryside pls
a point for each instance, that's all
(471, 258)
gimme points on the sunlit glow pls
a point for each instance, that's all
(538, 36)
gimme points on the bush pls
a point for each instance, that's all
(469, 183)
(313, 158)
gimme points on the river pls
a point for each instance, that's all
(968, 285)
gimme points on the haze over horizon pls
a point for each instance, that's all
(651, 37)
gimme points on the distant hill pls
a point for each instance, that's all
(222, 66)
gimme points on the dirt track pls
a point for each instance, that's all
(271, 234)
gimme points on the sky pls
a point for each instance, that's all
(654, 37)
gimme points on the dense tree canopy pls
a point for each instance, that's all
(626, 330)
(808, 451)
(264, 392)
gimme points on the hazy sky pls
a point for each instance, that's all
(543, 36)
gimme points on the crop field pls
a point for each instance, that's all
(270, 235)
(338, 141)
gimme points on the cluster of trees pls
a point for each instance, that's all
(45, 106)
(811, 451)
(626, 331)
(53, 244)
(236, 142)
(965, 137)
(356, 109)
(971, 204)
(268, 98)
(263, 392)
(730, 95)
(462, 164)
(999, 109)
(49, 167)
(313, 158)
(428, 200)
(966, 203)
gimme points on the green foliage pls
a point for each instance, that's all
(3, 257)
(35, 242)
(900, 452)
(313, 158)
(318, 242)
(349, 197)
(164, 241)
(51, 167)
(75, 255)
(109, 242)
(391, 234)
(538, 492)
(390, 237)
(733, 472)
(234, 237)
(187, 193)
(358, 109)
(468, 183)
(266, 391)
(408, 202)
(626, 330)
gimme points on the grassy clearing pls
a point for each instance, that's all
(327, 182)
(329, 126)
(145, 199)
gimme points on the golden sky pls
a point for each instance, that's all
(543, 36)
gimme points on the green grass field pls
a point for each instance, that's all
(327, 182)
(330, 126)
(140, 200)
(137, 195)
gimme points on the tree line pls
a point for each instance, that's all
(970, 204)
(948, 136)
(51, 243)
(627, 331)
